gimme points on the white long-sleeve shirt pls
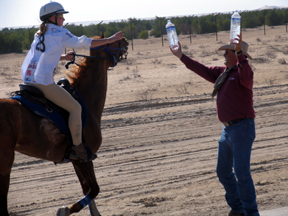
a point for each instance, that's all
(39, 67)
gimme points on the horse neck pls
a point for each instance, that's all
(93, 88)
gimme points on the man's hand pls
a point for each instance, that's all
(177, 52)
(238, 46)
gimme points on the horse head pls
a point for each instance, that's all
(111, 51)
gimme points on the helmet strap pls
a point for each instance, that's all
(50, 21)
(56, 23)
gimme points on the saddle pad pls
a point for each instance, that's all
(40, 110)
(53, 116)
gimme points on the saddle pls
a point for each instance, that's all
(35, 100)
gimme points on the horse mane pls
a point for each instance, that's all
(77, 73)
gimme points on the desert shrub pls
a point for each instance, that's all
(260, 60)
(285, 51)
(156, 61)
(271, 55)
(188, 53)
(282, 61)
(143, 34)
(185, 47)
(270, 81)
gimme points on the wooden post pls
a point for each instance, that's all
(161, 28)
(29, 35)
(189, 23)
(286, 18)
(241, 22)
(98, 27)
(131, 33)
(264, 22)
(216, 14)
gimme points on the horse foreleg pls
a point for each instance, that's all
(87, 178)
(86, 188)
(93, 209)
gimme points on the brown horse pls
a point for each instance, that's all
(23, 131)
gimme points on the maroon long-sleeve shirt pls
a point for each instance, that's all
(235, 97)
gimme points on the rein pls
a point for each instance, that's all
(106, 49)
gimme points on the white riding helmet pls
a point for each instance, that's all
(49, 9)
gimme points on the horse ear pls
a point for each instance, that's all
(103, 36)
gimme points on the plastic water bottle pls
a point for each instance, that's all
(172, 35)
(235, 26)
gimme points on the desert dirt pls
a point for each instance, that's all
(160, 134)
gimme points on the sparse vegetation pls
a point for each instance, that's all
(183, 89)
(260, 60)
(145, 95)
(156, 61)
(282, 61)
(270, 81)
(271, 55)
(185, 47)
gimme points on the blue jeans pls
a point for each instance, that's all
(234, 151)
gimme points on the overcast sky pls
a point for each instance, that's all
(25, 13)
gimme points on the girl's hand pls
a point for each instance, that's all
(69, 56)
(118, 36)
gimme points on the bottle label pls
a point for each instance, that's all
(236, 20)
(170, 28)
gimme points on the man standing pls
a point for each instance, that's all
(234, 90)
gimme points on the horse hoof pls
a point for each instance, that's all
(63, 211)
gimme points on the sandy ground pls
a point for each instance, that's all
(160, 134)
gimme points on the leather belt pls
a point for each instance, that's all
(235, 121)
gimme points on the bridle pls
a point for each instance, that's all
(105, 49)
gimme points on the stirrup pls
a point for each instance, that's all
(82, 153)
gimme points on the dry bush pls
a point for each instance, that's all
(270, 81)
(271, 55)
(188, 53)
(282, 61)
(274, 48)
(135, 73)
(172, 65)
(129, 62)
(205, 54)
(124, 79)
(156, 61)
(279, 38)
(183, 89)
(185, 47)
(147, 94)
(285, 51)
(258, 40)
(260, 60)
